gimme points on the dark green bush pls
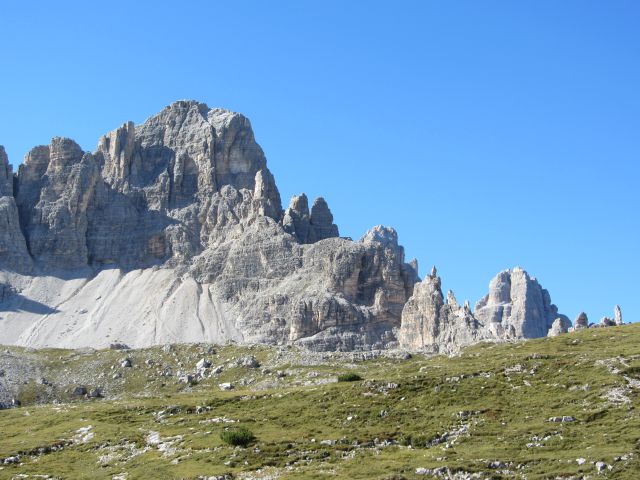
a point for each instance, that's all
(349, 377)
(238, 437)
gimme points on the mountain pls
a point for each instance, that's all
(173, 231)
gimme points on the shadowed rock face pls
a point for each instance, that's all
(173, 231)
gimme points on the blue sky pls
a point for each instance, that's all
(488, 133)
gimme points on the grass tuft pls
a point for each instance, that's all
(349, 377)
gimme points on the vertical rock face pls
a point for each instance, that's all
(55, 186)
(13, 249)
(518, 301)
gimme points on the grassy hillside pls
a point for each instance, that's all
(484, 414)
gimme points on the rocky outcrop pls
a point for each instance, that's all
(582, 321)
(515, 307)
(617, 315)
(516, 300)
(607, 322)
(432, 324)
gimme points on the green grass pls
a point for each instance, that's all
(490, 404)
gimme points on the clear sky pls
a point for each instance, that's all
(488, 133)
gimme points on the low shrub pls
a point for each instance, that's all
(238, 437)
(349, 377)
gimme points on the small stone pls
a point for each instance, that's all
(126, 363)
(225, 386)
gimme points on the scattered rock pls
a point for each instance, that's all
(563, 419)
